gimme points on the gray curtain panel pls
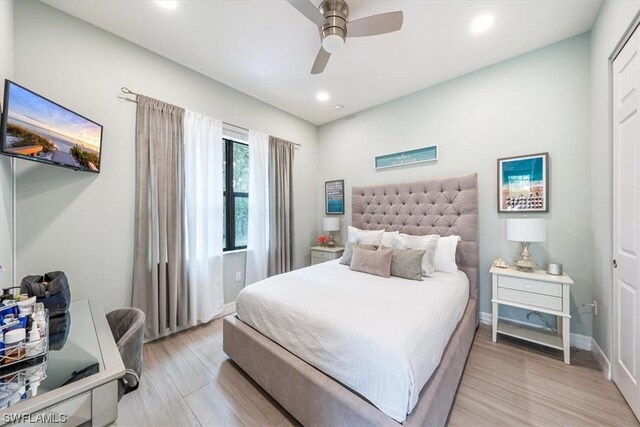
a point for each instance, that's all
(159, 273)
(281, 154)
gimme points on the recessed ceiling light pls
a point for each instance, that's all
(167, 4)
(338, 107)
(482, 23)
(322, 96)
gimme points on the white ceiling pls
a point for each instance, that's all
(266, 48)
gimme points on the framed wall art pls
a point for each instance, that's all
(523, 183)
(334, 197)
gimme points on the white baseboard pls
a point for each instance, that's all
(228, 309)
(582, 342)
(486, 318)
(601, 358)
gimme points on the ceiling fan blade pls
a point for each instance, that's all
(307, 8)
(321, 61)
(376, 24)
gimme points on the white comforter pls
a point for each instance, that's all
(381, 337)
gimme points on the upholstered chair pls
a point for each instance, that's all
(127, 327)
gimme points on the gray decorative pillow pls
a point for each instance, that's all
(407, 263)
(372, 262)
(348, 251)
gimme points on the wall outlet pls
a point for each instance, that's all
(238, 276)
(595, 308)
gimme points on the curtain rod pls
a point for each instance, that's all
(126, 91)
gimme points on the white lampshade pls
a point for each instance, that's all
(331, 224)
(526, 230)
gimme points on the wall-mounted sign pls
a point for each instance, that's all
(404, 158)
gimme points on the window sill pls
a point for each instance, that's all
(237, 251)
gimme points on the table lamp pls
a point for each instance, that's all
(525, 231)
(331, 225)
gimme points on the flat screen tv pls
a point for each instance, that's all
(35, 128)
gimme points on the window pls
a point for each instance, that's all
(236, 194)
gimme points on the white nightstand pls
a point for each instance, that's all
(536, 291)
(325, 253)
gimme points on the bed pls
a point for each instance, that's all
(307, 350)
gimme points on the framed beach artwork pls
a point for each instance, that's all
(523, 183)
(334, 197)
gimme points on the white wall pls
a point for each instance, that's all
(533, 103)
(612, 22)
(6, 174)
(83, 223)
(234, 262)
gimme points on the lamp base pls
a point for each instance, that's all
(525, 262)
(526, 265)
(334, 241)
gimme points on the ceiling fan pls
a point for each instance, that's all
(331, 18)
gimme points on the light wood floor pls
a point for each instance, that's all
(188, 380)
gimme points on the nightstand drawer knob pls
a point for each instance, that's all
(528, 286)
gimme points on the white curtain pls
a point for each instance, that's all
(204, 215)
(258, 233)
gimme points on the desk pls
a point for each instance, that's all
(93, 399)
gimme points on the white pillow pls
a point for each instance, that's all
(428, 243)
(446, 254)
(364, 237)
(388, 239)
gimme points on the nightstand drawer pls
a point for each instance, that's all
(317, 260)
(326, 256)
(538, 287)
(530, 298)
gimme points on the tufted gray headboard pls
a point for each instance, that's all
(443, 206)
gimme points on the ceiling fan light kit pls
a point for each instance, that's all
(332, 16)
(334, 31)
(332, 43)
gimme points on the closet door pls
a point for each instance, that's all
(626, 221)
